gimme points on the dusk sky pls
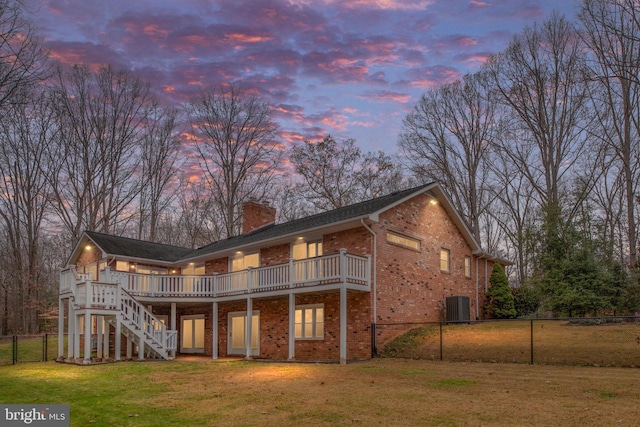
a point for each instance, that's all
(351, 68)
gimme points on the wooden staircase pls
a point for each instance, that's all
(121, 310)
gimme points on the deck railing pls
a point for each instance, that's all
(329, 269)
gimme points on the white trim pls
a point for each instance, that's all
(314, 322)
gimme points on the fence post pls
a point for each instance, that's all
(46, 347)
(14, 350)
(441, 321)
(532, 341)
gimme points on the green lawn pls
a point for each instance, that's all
(385, 392)
(30, 349)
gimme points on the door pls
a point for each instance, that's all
(238, 333)
(192, 334)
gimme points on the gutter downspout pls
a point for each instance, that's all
(479, 256)
(374, 349)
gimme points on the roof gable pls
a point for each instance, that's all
(130, 248)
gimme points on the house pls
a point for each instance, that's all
(311, 289)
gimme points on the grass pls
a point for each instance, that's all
(385, 392)
(555, 342)
(30, 349)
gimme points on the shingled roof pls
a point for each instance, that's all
(124, 246)
(132, 248)
(346, 213)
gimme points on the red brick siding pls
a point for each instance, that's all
(275, 255)
(256, 215)
(410, 285)
(220, 266)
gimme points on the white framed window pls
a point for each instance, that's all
(244, 261)
(399, 239)
(467, 266)
(122, 266)
(144, 269)
(309, 322)
(193, 269)
(445, 260)
(304, 250)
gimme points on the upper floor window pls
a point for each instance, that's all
(467, 266)
(245, 261)
(122, 266)
(445, 260)
(194, 269)
(405, 241)
(304, 250)
(143, 269)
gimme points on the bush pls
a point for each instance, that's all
(499, 303)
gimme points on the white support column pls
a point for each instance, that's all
(343, 324)
(118, 339)
(71, 331)
(105, 340)
(99, 337)
(87, 337)
(76, 338)
(214, 331)
(173, 324)
(249, 331)
(60, 328)
(141, 349)
(129, 348)
(292, 326)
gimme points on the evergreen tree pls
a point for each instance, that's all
(499, 302)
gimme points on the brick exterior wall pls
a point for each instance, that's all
(410, 286)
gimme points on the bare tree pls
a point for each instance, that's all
(160, 146)
(25, 129)
(95, 160)
(23, 62)
(612, 32)
(447, 138)
(541, 77)
(235, 139)
(336, 175)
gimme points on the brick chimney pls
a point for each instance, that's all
(256, 215)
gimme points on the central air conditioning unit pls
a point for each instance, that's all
(458, 309)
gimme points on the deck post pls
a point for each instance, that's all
(343, 324)
(249, 330)
(214, 330)
(292, 326)
(129, 348)
(87, 336)
(118, 339)
(173, 325)
(71, 331)
(99, 337)
(105, 340)
(60, 328)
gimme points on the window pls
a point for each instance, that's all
(467, 266)
(309, 322)
(306, 250)
(445, 256)
(242, 262)
(144, 269)
(405, 241)
(193, 269)
(122, 266)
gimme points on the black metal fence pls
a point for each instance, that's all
(28, 348)
(602, 341)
